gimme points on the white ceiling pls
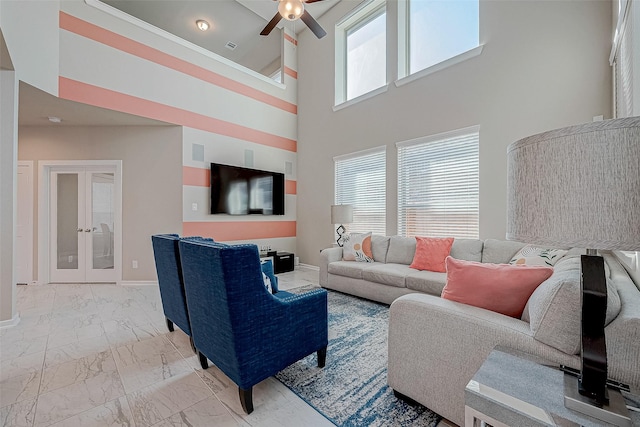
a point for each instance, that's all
(239, 21)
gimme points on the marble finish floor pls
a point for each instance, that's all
(101, 355)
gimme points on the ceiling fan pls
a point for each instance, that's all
(292, 10)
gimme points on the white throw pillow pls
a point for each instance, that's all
(357, 247)
(533, 255)
(267, 282)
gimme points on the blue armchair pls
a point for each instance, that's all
(244, 330)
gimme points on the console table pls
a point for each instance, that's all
(511, 390)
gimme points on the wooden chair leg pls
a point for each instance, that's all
(322, 357)
(246, 399)
(169, 324)
(203, 360)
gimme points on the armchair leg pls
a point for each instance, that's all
(169, 324)
(193, 346)
(203, 360)
(322, 357)
(246, 399)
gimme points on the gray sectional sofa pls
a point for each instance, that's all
(437, 345)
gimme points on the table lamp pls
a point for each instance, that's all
(341, 214)
(580, 187)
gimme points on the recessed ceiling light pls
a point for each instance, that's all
(54, 119)
(202, 24)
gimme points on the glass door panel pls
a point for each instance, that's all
(67, 221)
(102, 216)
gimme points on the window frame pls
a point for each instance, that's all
(358, 157)
(424, 141)
(404, 46)
(358, 18)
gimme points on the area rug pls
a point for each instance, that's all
(352, 390)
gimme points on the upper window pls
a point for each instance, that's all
(435, 31)
(361, 51)
(360, 180)
(438, 185)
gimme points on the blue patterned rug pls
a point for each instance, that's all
(352, 390)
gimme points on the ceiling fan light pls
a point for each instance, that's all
(291, 9)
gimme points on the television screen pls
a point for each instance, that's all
(244, 191)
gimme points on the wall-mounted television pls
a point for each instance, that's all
(244, 191)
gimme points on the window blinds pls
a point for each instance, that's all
(626, 75)
(438, 185)
(360, 180)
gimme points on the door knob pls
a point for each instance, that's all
(79, 230)
(87, 230)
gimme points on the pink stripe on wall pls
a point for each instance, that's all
(291, 39)
(240, 230)
(201, 177)
(100, 97)
(293, 73)
(109, 38)
(290, 187)
(196, 176)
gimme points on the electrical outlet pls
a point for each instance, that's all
(134, 263)
(194, 207)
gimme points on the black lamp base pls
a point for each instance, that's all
(615, 412)
(340, 231)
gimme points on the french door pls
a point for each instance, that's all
(83, 203)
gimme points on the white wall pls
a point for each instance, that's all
(544, 66)
(151, 179)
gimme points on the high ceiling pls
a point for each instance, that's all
(238, 21)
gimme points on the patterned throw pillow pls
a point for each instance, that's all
(532, 255)
(357, 247)
(267, 282)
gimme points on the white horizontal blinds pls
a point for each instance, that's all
(624, 70)
(360, 180)
(438, 185)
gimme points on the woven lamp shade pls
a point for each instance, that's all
(578, 186)
(341, 214)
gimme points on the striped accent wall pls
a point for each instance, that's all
(218, 110)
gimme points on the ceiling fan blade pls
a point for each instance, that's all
(271, 25)
(313, 25)
(311, 1)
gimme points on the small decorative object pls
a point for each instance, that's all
(578, 186)
(341, 214)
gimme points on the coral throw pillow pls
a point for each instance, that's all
(357, 247)
(502, 288)
(431, 253)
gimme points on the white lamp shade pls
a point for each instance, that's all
(341, 214)
(577, 186)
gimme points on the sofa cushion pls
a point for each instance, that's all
(401, 250)
(387, 274)
(357, 247)
(348, 268)
(534, 255)
(499, 251)
(554, 308)
(429, 282)
(502, 288)
(379, 247)
(467, 249)
(431, 253)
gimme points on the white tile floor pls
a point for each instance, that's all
(101, 355)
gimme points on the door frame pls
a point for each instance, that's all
(44, 213)
(28, 166)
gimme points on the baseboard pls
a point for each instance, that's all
(139, 283)
(10, 322)
(312, 267)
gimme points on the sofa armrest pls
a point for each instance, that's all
(328, 256)
(437, 345)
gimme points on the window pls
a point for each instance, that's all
(624, 54)
(360, 180)
(438, 185)
(361, 51)
(433, 31)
